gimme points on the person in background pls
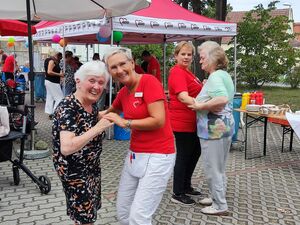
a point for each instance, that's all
(71, 67)
(144, 65)
(3, 57)
(137, 68)
(96, 56)
(151, 155)
(78, 63)
(153, 66)
(9, 67)
(77, 143)
(52, 83)
(184, 86)
(215, 123)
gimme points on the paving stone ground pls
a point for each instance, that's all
(263, 190)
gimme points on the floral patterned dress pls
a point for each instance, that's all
(80, 172)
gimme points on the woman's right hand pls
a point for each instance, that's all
(103, 124)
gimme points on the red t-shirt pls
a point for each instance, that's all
(153, 64)
(9, 64)
(134, 106)
(138, 69)
(182, 118)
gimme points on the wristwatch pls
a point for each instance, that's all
(128, 124)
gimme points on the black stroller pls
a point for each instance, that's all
(19, 129)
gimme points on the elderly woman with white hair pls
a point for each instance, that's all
(77, 143)
(151, 155)
(215, 123)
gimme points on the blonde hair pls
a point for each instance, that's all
(182, 44)
(118, 50)
(215, 54)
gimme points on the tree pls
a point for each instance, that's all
(293, 78)
(263, 49)
(210, 8)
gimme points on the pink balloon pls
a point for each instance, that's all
(105, 31)
(56, 38)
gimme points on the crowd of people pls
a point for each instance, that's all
(168, 136)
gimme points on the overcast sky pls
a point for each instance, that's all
(245, 5)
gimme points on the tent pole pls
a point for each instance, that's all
(109, 137)
(164, 58)
(31, 73)
(234, 63)
(64, 60)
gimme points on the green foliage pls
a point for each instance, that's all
(293, 78)
(263, 49)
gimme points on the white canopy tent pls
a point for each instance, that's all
(35, 10)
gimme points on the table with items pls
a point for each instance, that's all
(252, 117)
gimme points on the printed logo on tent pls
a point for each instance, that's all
(206, 27)
(168, 25)
(139, 23)
(154, 24)
(123, 20)
(181, 26)
(194, 27)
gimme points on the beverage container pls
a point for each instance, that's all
(253, 98)
(259, 98)
(245, 100)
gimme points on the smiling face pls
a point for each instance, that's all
(121, 68)
(184, 57)
(91, 88)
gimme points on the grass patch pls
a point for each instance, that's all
(278, 96)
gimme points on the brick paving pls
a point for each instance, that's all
(264, 190)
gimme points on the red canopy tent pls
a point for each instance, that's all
(163, 21)
(14, 28)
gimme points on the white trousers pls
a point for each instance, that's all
(214, 155)
(143, 181)
(53, 97)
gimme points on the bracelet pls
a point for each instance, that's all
(128, 124)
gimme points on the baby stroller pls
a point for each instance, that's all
(19, 130)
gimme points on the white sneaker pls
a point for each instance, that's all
(206, 201)
(209, 210)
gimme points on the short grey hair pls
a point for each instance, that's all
(118, 50)
(215, 54)
(92, 68)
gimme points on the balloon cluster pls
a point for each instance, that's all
(105, 32)
(10, 42)
(58, 39)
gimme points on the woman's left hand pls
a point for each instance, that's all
(115, 118)
(196, 105)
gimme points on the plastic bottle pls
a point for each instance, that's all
(259, 98)
(253, 98)
(245, 100)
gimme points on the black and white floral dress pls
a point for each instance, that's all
(80, 172)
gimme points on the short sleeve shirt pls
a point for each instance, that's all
(183, 119)
(9, 64)
(134, 106)
(154, 65)
(216, 125)
(71, 116)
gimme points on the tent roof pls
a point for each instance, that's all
(69, 9)
(14, 28)
(163, 21)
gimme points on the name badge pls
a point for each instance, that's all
(138, 94)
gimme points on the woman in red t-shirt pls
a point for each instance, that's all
(183, 87)
(151, 156)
